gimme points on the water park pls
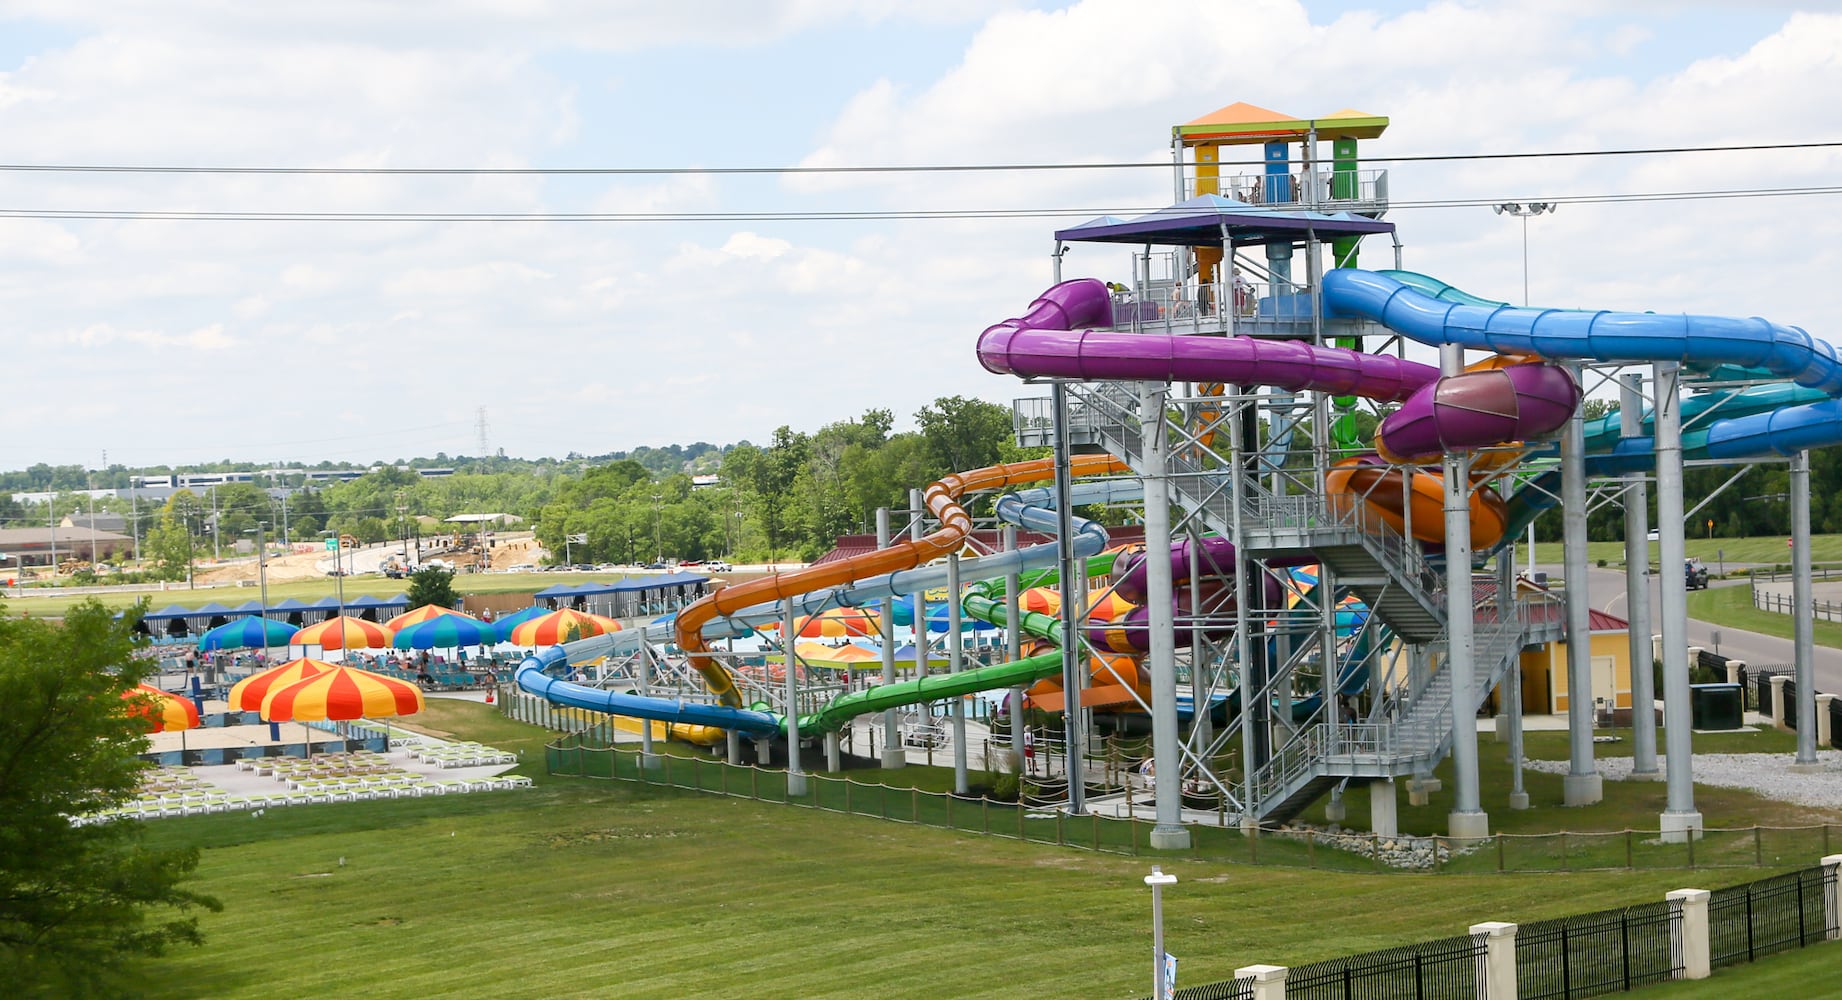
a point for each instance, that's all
(1326, 466)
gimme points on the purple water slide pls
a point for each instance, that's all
(1045, 342)
(1477, 409)
(1214, 555)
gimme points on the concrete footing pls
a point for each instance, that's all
(1384, 809)
(1468, 825)
(1582, 789)
(1680, 828)
(1170, 838)
(894, 758)
(1335, 810)
(1518, 800)
(1420, 790)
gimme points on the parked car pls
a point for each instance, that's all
(657, 564)
(718, 566)
(522, 568)
(1697, 574)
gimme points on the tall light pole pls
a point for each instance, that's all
(658, 515)
(1522, 210)
(1158, 880)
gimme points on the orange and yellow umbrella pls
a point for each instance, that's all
(248, 694)
(565, 625)
(1108, 607)
(343, 632)
(340, 695)
(419, 615)
(1041, 600)
(167, 711)
(835, 623)
(820, 655)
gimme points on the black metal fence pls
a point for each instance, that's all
(1227, 989)
(1447, 969)
(1772, 914)
(1595, 953)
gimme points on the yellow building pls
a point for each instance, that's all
(1544, 668)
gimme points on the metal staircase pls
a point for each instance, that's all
(1370, 557)
(1320, 755)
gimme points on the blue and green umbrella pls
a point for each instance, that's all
(506, 623)
(250, 632)
(447, 632)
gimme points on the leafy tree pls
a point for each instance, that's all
(78, 902)
(170, 548)
(964, 433)
(432, 585)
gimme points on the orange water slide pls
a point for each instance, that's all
(1380, 487)
(942, 500)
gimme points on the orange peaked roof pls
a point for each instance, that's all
(1241, 122)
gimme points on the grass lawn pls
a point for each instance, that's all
(49, 603)
(1800, 972)
(586, 888)
(1733, 607)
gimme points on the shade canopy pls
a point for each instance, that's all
(246, 633)
(417, 616)
(248, 694)
(343, 632)
(340, 695)
(836, 623)
(562, 626)
(446, 632)
(167, 711)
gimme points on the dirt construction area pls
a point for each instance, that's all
(510, 549)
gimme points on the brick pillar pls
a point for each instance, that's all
(1733, 670)
(1269, 980)
(1824, 733)
(1778, 701)
(1499, 959)
(1693, 931)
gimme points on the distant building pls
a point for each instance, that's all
(101, 522)
(36, 546)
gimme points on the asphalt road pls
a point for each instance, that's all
(1607, 590)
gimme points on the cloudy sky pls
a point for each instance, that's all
(181, 340)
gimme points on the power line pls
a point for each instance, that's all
(103, 168)
(848, 215)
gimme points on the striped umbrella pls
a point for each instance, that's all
(820, 655)
(1042, 600)
(249, 692)
(446, 632)
(836, 623)
(343, 632)
(417, 616)
(1108, 606)
(506, 623)
(167, 711)
(249, 631)
(558, 627)
(937, 617)
(342, 694)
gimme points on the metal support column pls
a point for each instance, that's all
(893, 756)
(1013, 646)
(1637, 589)
(1511, 689)
(1583, 784)
(1071, 636)
(648, 758)
(1680, 820)
(796, 776)
(1467, 819)
(1803, 614)
(1166, 741)
(956, 652)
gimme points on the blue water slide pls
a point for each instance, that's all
(532, 677)
(1785, 351)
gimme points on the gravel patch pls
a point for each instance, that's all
(1769, 774)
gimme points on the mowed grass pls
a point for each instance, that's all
(1808, 973)
(1767, 550)
(612, 889)
(1733, 607)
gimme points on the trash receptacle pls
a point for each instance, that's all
(1716, 706)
